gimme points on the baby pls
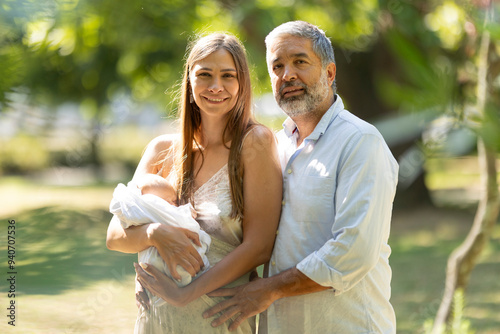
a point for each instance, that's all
(156, 185)
(151, 199)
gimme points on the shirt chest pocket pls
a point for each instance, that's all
(312, 199)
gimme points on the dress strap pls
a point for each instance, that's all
(246, 135)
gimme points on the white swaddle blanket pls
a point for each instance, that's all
(133, 208)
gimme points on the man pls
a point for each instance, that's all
(329, 272)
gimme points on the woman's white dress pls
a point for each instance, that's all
(212, 202)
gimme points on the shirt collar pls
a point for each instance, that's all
(290, 127)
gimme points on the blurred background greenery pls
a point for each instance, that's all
(86, 84)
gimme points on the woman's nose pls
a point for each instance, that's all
(215, 86)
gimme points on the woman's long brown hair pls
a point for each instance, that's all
(240, 120)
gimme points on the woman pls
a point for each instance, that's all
(227, 166)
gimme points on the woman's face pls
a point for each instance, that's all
(214, 82)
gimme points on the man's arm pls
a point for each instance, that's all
(255, 297)
(364, 200)
(366, 184)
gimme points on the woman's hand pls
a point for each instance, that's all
(141, 297)
(161, 285)
(175, 248)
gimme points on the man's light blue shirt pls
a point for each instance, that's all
(338, 189)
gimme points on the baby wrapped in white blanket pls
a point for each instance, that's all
(142, 203)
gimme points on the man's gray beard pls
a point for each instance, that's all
(308, 102)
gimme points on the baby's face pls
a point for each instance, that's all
(166, 193)
(160, 187)
(169, 194)
(171, 199)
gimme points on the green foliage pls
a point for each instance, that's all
(89, 51)
(23, 154)
(459, 325)
(435, 68)
(64, 249)
(125, 146)
(94, 49)
(424, 73)
(489, 127)
(421, 82)
(12, 68)
(275, 123)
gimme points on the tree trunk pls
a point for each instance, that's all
(462, 261)
(464, 258)
(95, 159)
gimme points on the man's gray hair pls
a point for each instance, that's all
(321, 45)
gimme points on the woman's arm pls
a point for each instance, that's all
(262, 186)
(173, 244)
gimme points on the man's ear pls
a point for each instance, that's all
(331, 72)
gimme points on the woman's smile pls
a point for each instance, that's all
(215, 100)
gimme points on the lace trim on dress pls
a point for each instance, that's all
(216, 178)
(212, 202)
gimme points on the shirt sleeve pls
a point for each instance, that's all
(366, 185)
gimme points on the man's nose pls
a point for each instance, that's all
(289, 73)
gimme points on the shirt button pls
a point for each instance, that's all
(289, 171)
(273, 263)
(283, 202)
(277, 232)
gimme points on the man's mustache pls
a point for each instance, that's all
(292, 84)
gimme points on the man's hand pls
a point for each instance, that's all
(247, 300)
(255, 297)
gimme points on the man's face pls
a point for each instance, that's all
(300, 83)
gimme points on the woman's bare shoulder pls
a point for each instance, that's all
(157, 154)
(162, 142)
(258, 136)
(259, 143)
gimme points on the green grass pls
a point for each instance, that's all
(61, 249)
(453, 173)
(421, 242)
(68, 282)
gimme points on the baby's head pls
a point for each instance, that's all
(156, 185)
